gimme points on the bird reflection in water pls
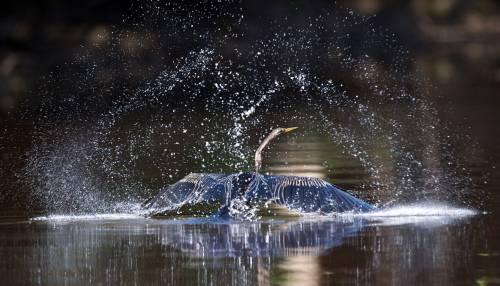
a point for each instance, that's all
(205, 251)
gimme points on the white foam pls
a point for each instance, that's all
(110, 216)
(427, 209)
(426, 214)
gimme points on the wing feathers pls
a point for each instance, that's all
(297, 193)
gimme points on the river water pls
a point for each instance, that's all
(448, 249)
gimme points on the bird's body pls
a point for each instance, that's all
(223, 194)
(209, 193)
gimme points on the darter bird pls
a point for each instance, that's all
(245, 192)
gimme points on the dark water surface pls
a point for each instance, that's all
(440, 250)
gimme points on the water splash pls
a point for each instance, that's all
(213, 94)
(72, 218)
(421, 209)
(428, 215)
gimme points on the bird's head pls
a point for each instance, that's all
(279, 131)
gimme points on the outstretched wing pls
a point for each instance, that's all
(307, 194)
(193, 188)
(210, 191)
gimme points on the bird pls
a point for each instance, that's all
(240, 194)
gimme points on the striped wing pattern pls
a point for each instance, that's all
(313, 195)
(303, 194)
(191, 189)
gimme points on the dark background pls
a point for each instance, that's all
(37, 36)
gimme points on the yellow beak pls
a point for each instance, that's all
(289, 129)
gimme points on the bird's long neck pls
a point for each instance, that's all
(258, 156)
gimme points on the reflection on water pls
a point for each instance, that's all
(309, 251)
